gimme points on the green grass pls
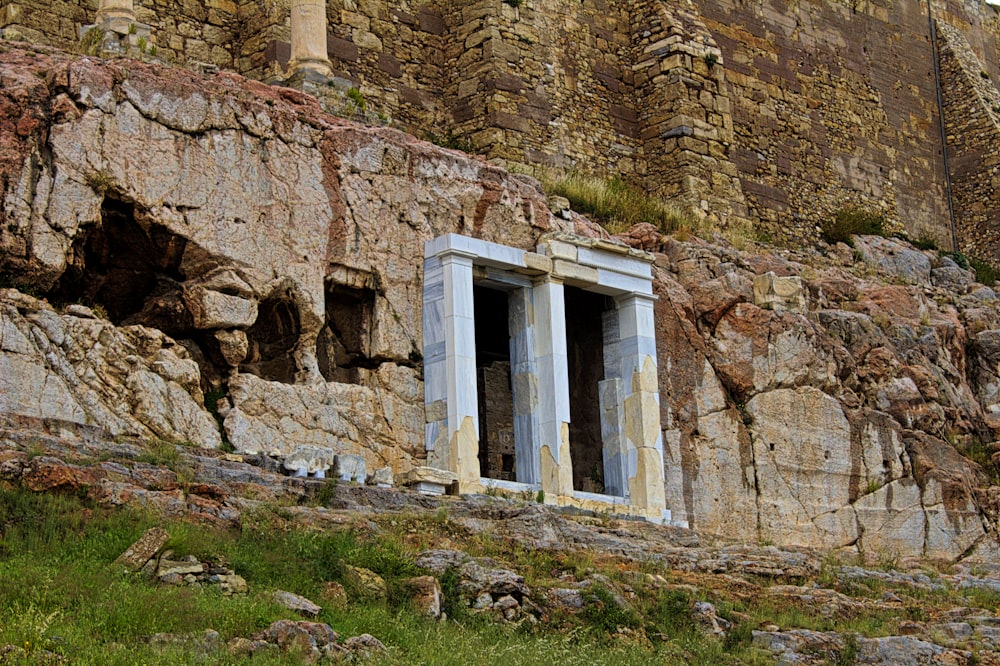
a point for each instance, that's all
(616, 204)
(60, 592)
(986, 273)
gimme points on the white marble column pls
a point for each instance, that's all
(524, 386)
(452, 434)
(115, 9)
(552, 367)
(309, 28)
(643, 441)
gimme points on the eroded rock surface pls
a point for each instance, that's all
(215, 236)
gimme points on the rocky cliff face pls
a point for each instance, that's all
(279, 245)
(188, 237)
(841, 425)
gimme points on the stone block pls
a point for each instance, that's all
(305, 460)
(347, 467)
(381, 478)
(574, 273)
(212, 309)
(143, 550)
(428, 480)
(779, 293)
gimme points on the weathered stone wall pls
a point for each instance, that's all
(684, 112)
(780, 113)
(546, 83)
(182, 32)
(972, 122)
(833, 104)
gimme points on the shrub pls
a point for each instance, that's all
(986, 273)
(853, 220)
(958, 258)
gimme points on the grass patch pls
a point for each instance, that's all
(851, 221)
(617, 205)
(58, 592)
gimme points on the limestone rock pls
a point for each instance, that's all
(382, 477)
(297, 603)
(143, 550)
(425, 595)
(895, 258)
(233, 346)
(364, 583)
(802, 448)
(212, 309)
(131, 381)
(364, 645)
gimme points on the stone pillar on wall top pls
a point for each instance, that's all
(309, 54)
(112, 10)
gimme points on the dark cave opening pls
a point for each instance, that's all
(129, 269)
(344, 343)
(493, 381)
(272, 339)
(585, 351)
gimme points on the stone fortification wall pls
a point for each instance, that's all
(972, 122)
(832, 106)
(547, 83)
(184, 32)
(684, 112)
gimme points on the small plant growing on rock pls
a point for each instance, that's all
(99, 181)
(513, 3)
(711, 60)
(90, 43)
(986, 273)
(851, 221)
(358, 98)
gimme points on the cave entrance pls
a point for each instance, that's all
(345, 341)
(585, 365)
(129, 267)
(493, 380)
(272, 339)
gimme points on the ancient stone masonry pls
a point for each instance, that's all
(685, 112)
(779, 113)
(972, 121)
(546, 396)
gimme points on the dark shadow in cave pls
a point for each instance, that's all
(344, 343)
(272, 339)
(131, 270)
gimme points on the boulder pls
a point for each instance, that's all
(297, 603)
(425, 595)
(364, 583)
